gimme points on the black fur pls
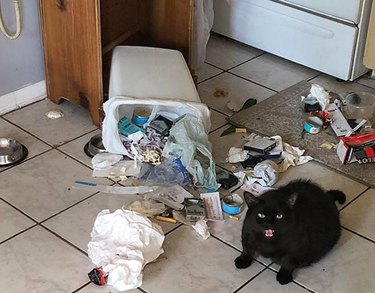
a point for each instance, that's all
(294, 225)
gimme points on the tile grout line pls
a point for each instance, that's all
(17, 234)
(364, 85)
(354, 199)
(46, 142)
(19, 210)
(234, 66)
(33, 135)
(254, 82)
(69, 207)
(63, 239)
(251, 279)
(211, 77)
(358, 234)
(231, 246)
(80, 288)
(26, 160)
(310, 79)
(344, 174)
(242, 63)
(269, 267)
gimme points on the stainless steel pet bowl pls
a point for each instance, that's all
(94, 146)
(11, 151)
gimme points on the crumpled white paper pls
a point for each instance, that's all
(202, 229)
(236, 155)
(293, 156)
(122, 243)
(267, 173)
(320, 94)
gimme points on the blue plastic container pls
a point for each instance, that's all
(232, 204)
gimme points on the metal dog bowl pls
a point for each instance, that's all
(11, 152)
(94, 146)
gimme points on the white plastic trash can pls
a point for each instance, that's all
(151, 77)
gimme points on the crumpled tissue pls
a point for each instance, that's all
(122, 243)
(202, 229)
(266, 173)
(292, 156)
(320, 94)
(236, 155)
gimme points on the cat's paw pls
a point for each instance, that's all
(284, 276)
(243, 262)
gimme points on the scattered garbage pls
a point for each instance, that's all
(347, 116)
(122, 243)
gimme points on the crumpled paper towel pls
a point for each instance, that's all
(236, 155)
(122, 243)
(293, 156)
(320, 94)
(202, 229)
(267, 173)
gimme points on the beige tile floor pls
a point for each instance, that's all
(45, 226)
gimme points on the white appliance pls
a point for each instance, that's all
(326, 35)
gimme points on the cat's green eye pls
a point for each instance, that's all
(262, 216)
(279, 216)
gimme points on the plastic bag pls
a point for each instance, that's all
(189, 142)
(167, 173)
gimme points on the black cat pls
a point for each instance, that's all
(295, 225)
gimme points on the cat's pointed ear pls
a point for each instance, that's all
(292, 199)
(250, 198)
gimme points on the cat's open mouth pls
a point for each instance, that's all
(269, 233)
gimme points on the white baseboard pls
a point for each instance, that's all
(23, 97)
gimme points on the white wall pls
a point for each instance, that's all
(21, 60)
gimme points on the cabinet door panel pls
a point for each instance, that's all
(72, 52)
(170, 24)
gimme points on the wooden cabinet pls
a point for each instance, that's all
(369, 56)
(79, 35)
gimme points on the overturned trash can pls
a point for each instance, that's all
(150, 91)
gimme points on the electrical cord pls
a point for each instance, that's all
(18, 22)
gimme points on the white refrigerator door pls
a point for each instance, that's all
(349, 10)
(302, 37)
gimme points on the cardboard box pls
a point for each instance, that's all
(360, 148)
